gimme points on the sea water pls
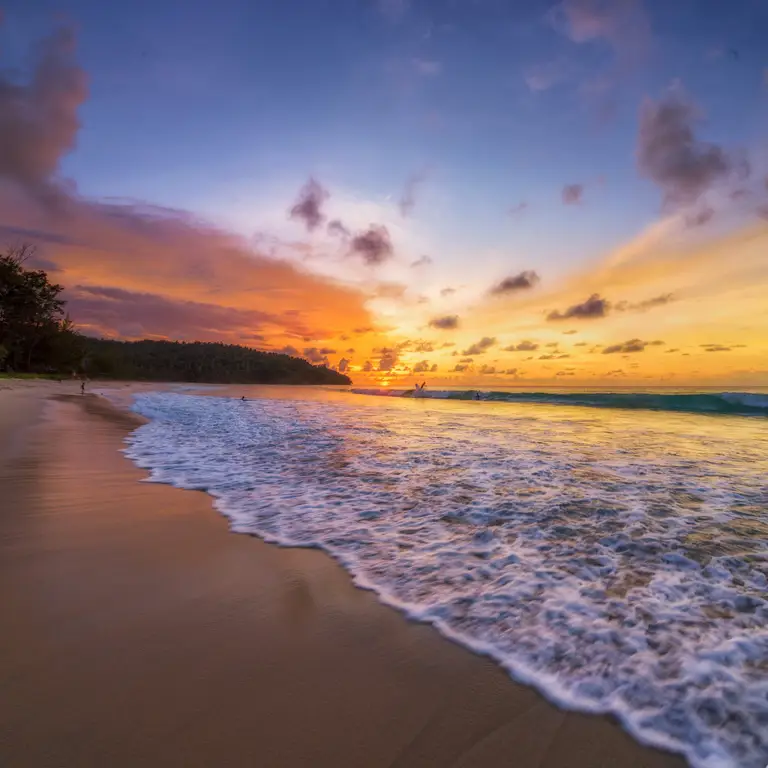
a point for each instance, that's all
(615, 558)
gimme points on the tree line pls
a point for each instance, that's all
(37, 336)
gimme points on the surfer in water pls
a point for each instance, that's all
(419, 391)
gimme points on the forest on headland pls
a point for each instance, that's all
(38, 337)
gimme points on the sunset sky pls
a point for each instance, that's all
(480, 192)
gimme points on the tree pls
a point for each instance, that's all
(31, 312)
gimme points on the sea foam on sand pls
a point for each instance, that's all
(616, 561)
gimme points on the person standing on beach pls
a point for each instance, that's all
(82, 387)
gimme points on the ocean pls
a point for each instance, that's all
(608, 548)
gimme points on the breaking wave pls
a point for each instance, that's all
(734, 403)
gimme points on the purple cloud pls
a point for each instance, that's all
(38, 120)
(670, 155)
(308, 207)
(373, 246)
(520, 282)
(572, 194)
(593, 307)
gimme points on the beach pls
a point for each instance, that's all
(139, 631)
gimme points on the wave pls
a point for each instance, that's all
(733, 403)
(623, 573)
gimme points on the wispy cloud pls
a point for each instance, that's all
(422, 261)
(408, 198)
(427, 67)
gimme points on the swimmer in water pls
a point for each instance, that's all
(477, 395)
(243, 399)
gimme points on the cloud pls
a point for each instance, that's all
(308, 207)
(315, 355)
(715, 348)
(422, 261)
(336, 227)
(467, 360)
(388, 358)
(367, 366)
(445, 323)
(570, 333)
(511, 371)
(593, 307)
(130, 314)
(622, 24)
(424, 346)
(700, 218)
(460, 368)
(447, 291)
(480, 347)
(433, 369)
(523, 346)
(288, 350)
(642, 306)
(542, 77)
(389, 290)
(487, 370)
(516, 210)
(633, 345)
(670, 155)
(408, 198)
(373, 246)
(343, 364)
(422, 367)
(38, 120)
(520, 282)
(427, 67)
(572, 194)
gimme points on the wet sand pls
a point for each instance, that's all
(137, 631)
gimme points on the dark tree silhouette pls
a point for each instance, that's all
(35, 333)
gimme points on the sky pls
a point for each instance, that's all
(468, 192)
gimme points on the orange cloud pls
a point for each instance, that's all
(147, 269)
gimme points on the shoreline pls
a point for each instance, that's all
(144, 632)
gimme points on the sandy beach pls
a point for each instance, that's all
(138, 631)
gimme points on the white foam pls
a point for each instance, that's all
(618, 563)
